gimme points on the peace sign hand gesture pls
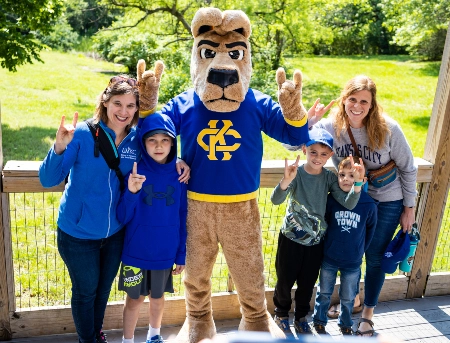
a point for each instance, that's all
(290, 172)
(64, 135)
(135, 180)
(290, 95)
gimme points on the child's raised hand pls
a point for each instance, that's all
(358, 169)
(290, 172)
(135, 180)
(65, 132)
(178, 269)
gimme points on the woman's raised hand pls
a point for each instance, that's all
(317, 111)
(65, 132)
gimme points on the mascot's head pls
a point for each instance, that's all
(221, 63)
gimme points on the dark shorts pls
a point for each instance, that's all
(136, 282)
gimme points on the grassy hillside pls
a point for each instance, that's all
(405, 88)
(34, 98)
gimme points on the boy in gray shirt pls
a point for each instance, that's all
(300, 243)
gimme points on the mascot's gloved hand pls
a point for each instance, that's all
(148, 87)
(290, 95)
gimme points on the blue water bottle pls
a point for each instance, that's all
(414, 239)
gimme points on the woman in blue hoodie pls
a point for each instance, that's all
(89, 235)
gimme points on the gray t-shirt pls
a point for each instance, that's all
(396, 147)
(304, 222)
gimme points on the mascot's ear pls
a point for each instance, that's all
(212, 19)
(205, 19)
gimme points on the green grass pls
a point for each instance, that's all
(405, 88)
(34, 98)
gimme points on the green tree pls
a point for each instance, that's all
(419, 25)
(278, 27)
(19, 22)
(63, 37)
(86, 17)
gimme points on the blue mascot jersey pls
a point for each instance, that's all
(224, 150)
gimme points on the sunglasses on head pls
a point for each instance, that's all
(117, 79)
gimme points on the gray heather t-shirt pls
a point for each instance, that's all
(396, 147)
(304, 222)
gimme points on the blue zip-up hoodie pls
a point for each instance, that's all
(349, 232)
(88, 205)
(155, 217)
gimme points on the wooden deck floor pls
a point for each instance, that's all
(418, 320)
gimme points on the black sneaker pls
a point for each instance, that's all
(320, 329)
(302, 327)
(101, 337)
(346, 331)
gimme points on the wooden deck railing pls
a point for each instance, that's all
(22, 177)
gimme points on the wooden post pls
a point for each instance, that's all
(5, 325)
(433, 198)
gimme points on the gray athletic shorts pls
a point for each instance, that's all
(136, 282)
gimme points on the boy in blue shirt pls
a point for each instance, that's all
(347, 238)
(300, 243)
(154, 211)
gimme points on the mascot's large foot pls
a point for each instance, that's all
(266, 324)
(194, 330)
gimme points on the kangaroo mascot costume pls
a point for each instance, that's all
(220, 122)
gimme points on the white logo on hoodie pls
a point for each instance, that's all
(347, 220)
(128, 153)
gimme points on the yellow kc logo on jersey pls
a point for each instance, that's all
(217, 139)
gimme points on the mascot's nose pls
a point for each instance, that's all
(223, 77)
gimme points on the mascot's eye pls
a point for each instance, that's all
(236, 54)
(207, 53)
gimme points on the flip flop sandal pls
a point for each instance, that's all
(333, 311)
(367, 332)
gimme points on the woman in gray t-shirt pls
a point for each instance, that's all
(379, 139)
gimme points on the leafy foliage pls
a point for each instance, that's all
(19, 22)
(129, 47)
(86, 17)
(62, 37)
(357, 27)
(419, 25)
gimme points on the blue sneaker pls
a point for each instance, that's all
(302, 327)
(282, 322)
(155, 339)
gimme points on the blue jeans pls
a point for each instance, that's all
(347, 291)
(92, 266)
(388, 219)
